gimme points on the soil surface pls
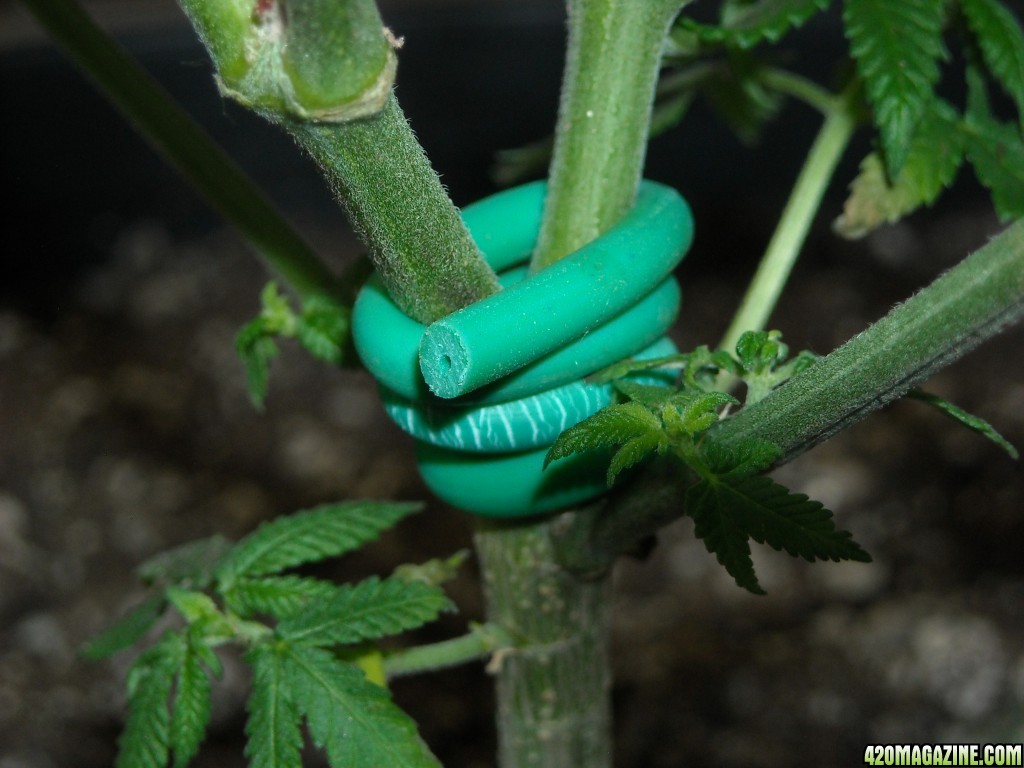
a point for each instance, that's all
(125, 429)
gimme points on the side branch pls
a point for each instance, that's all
(967, 305)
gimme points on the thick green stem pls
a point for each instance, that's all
(611, 72)
(316, 67)
(185, 146)
(394, 199)
(791, 232)
(553, 687)
(969, 304)
(554, 707)
(972, 302)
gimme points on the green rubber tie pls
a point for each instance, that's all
(510, 329)
(484, 452)
(388, 340)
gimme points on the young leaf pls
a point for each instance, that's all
(190, 565)
(771, 514)
(1002, 45)
(650, 395)
(190, 712)
(749, 458)
(635, 450)
(995, 150)
(369, 609)
(729, 509)
(969, 420)
(128, 630)
(721, 533)
(611, 426)
(897, 47)
(769, 20)
(323, 328)
(308, 536)
(747, 24)
(273, 725)
(145, 741)
(759, 351)
(275, 596)
(935, 155)
(630, 365)
(701, 372)
(256, 347)
(697, 412)
(350, 717)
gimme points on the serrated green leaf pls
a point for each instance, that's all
(364, 611)
(732, 507)
(897, 47)
(631, 365)
(747, 24)
(771, 514)
(769, 20)
(145, 740)
(698, 412)
(721, 534)
(190, 712)
(1001, 41)
(704, 366)
(308, 536)
(273, 725)
(635, 450)
(747, 458)
(275, 596)
(128, 630)
(935, 155)
(650, 395)
(189, 565)
(323, 328)
(354, 720)
(609, 427)
(969, 420)
(200, 647)
(995, 150)
(193, 606)
(758, 351)
(256, 347)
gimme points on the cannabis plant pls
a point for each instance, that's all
(639, 434)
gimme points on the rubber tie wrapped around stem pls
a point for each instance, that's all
(487, 389)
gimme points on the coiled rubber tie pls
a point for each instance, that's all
(487, 389)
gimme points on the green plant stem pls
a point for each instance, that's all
(395, 201)
(374, 165)
(186, 146)
(553, 692)
(553, 687)
(791, 232)
(801, 88)
(481, 641)
(969, 304)
(613, 57)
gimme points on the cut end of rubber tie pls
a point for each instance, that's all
(444, 361)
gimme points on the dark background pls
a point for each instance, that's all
(125, 428)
